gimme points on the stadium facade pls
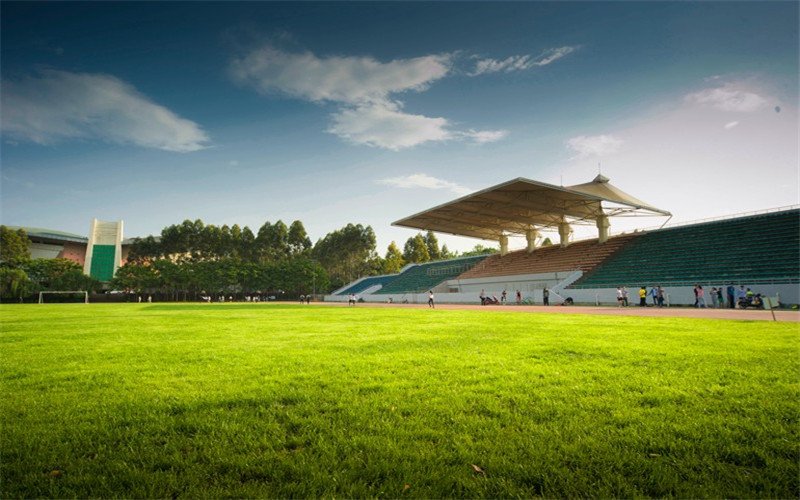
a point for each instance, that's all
(759, 251)
(100, 253)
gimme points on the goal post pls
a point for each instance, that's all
(80, 293)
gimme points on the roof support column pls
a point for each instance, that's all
(503, 244)
(531, 235)
(602, 228)
(563, 232)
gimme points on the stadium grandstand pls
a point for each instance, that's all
(760, 251)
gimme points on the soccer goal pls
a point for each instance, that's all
(73, 296)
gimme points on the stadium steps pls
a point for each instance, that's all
(762, 248)
(366, 283)
(423, 277)
(579, 256)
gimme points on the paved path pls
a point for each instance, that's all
(682, 312)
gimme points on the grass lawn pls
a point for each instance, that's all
(264, 400)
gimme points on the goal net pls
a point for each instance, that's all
(73, 296)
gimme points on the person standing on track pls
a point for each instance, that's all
(430, 299)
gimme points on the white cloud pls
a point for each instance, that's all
(730, 125)
(351, 80)
(484, 136)
(551, 55)
(597, 145)
(730, 97)
(518, 63)
(384, 125)
(426, 182)
(365, 91)
(59, 105)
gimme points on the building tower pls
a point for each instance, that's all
(103, 250)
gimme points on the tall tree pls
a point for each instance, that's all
(416, 250)
(433, 246)
(346, 253)
(298, 240)
(447, 254)
(273, 242)
(393, 262)
(15, 247)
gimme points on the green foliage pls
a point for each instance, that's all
(15, 247)
(447, 254)
(193, 258)
(59, 275)
(480, 250)
(425, 248)
(298, 240)
(184, 280)
(14, 283)
(432, 244)
(416, 250)
(347, 253)
(393, 262)
(263, 401)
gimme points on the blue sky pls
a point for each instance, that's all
(333, 113)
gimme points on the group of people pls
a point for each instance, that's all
(656, 293)
(741, 298)
(488, 300)
(305, 298)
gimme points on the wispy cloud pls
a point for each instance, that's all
(385, 125)
(596, 145)
(519, 63)
(484, 136)
(58, 105)
(351, 80)
(426, 182)
(730, 97)
(365, 91)
(730, 125)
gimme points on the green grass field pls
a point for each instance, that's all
(228, 400)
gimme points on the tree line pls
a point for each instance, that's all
(193, 259)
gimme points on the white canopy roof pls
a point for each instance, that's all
(519, 205)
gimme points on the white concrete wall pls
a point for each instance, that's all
(682, 296)
(45, 250)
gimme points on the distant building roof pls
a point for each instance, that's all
(50, 234)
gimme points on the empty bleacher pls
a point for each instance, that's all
(362, 285)
(762, 248)
(581, 255)
(423, 277)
